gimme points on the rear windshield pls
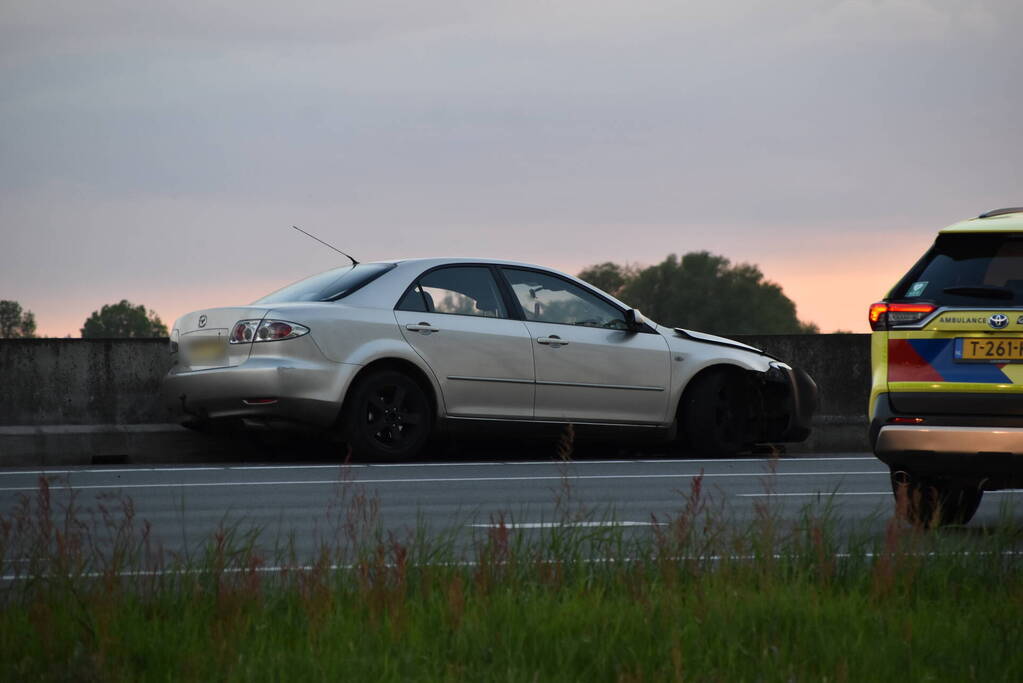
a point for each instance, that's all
(329, 286)
(967, 270)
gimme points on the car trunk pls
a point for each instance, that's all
(204, 335)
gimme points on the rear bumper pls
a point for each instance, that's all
(897, 439)
(987, 449)
(302, 391)
(991, 458)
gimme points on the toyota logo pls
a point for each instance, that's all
(998, 321)
(202, 320)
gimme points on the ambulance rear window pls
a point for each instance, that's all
(967, 270)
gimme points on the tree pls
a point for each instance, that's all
(15, 324)
(123, 319)
(705, 292)
(609, 277)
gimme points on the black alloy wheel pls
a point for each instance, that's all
(389, 417)
(930, 503)
(715, 414)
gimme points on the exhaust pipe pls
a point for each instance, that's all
(901, 477)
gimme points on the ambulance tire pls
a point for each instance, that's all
(930, 503)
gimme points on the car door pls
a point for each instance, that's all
(589, 366)
(456, 319)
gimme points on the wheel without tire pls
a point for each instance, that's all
(933, 503)
(714, 414)
(388, 417)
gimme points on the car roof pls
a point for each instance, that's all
(423, 264)
(999, 220)
(443, 260)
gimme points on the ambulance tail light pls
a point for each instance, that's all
(884, 315)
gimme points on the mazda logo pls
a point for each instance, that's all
(998, 321)
(202, 320)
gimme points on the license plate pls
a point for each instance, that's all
(989, 350)
(205, 349)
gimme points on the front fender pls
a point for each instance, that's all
(690, 358)
(789, 395)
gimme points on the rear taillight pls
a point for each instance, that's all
(883, 315)
(275, 330)
(246, 331)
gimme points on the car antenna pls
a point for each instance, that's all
(354, 262)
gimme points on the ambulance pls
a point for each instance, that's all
(946, 402)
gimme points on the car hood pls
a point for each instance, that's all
(713, 339)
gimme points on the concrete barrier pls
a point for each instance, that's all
(82, 381)
(74, 401)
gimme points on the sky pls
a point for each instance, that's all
(159, 152)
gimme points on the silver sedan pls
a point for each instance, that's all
(387, 354)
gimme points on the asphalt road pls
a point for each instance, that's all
(186, 504)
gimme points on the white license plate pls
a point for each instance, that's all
(204, 350)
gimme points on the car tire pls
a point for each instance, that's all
(714, 414)
(930, 503)
(388, 417)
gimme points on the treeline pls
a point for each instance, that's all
(123, 319)
(702, 291)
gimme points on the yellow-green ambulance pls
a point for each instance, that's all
(946, 403)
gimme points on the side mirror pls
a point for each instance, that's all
(634, 320)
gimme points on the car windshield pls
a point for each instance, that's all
(967, 270)
(329, 286)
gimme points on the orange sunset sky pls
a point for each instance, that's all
(832, 281)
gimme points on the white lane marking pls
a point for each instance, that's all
(619, 462)
(822, 494)
(242, 468)
(115, 471)
(561, 525)
(437, 480)
(847, 493)
(272, 569)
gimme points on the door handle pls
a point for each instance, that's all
(553, 340)
(423, 328)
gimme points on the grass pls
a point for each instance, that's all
(699, 596)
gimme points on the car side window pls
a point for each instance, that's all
(550, 299)
(456, 290)
(413, 300)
